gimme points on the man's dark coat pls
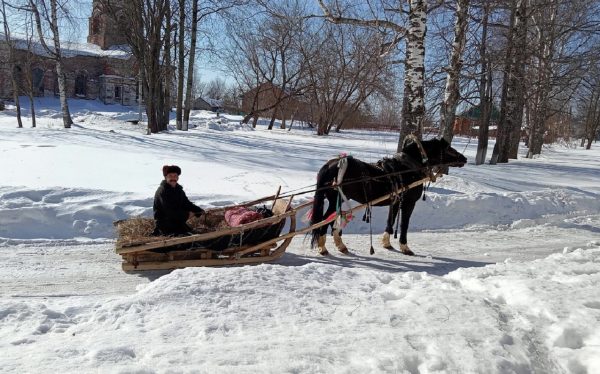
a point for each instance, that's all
(171, 210)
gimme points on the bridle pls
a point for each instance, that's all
(424, 159)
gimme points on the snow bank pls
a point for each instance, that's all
(65, 213)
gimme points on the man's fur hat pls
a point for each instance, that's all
(171, 169)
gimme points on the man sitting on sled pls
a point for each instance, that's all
(171, 206)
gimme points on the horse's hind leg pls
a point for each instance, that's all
(407, 209)
(321, 246)
(331, 199)
(337, 239)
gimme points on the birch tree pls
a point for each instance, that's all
(414, 31)
(266, 60)
(451, 92)
(45, 12)
(189, 85)
(485, 90)
(180, 64)
(564, 37)
(513, 91)
(145, 33)
(589, 102)
(11, 62)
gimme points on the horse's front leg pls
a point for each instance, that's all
(389, 228)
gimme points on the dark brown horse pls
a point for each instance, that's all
(364, 182)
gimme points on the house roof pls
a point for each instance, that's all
(70, 49)
(215, 103)
(475, 113)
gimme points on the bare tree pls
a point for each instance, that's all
(513, 91)
(199, 13)
(485, 90)
(167, 64)
(414, 28)
(216, 88)
(46, 12)
(564, 38)
(265, 59)
(191, 61)
(145, 33)
(590, 105)
(11, 61)
(345, 77)
(27, 64)
(451, 93)
(180, 63)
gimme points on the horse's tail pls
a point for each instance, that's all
(318, 203)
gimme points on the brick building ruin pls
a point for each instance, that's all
(103, 68)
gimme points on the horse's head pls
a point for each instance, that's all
(434, 152)
(439, 152)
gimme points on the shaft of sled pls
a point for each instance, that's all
(305, 230)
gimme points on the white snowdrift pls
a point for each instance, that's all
(536, 316)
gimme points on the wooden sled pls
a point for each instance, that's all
(138, 256)
(142, 255)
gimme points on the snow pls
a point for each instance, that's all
(506, 277)
(69, 49)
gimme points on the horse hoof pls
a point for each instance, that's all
(404, 248)
(344, 250)
(385, 241)
(323, 252)
(389, 247)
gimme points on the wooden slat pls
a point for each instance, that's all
(276, 197)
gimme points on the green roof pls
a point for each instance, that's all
(475, 113)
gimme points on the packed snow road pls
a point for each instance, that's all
(70, 268)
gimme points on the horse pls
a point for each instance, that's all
(364, 182)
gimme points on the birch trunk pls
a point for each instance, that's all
(166, 67)
(180, 66)
(191, 61)
(12, 66)
(485, 93)
(514, 87)
(544, 75)
(56, 55)
(413, 108)
(516, 105)
(451, 93)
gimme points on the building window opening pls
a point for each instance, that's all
(80, 85)
(117, 92)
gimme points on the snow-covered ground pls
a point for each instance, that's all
(506, 277)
